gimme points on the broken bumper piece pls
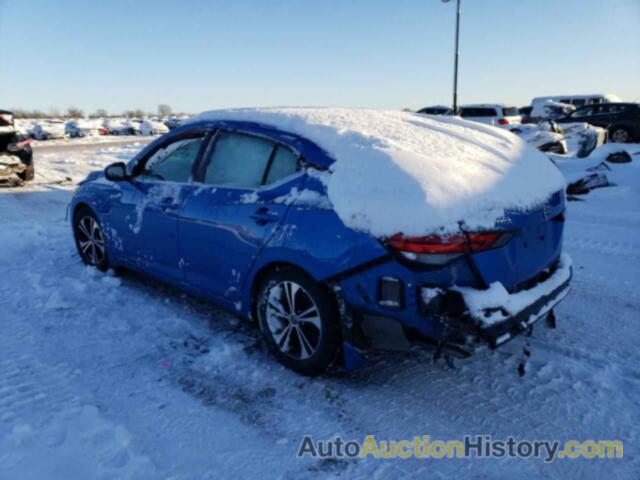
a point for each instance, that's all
(10, 168)
(499, 315)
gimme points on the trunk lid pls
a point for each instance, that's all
(536, 245)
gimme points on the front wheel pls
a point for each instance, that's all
(90, 239)
(28, 174)
(299, 321)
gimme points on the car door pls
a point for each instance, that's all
(146, 208)
(239, 206)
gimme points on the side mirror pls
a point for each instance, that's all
(116, 172)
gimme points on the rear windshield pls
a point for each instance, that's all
(433, 111)
(477, 112)
(510, 112)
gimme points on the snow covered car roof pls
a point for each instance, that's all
(404, 172)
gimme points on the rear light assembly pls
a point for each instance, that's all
(440, 250)
(16, 147)
(7, 118)
(503, 121)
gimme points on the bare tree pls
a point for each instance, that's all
(74, 112)
(164, 110)
(54, 112)
(99, 113)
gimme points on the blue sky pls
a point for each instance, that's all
(197, 55)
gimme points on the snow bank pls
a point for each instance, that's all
(416, 174)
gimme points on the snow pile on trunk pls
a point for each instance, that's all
(416, 174)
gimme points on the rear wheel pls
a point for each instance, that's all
(90, 240)
(299, 321)
(619, 135)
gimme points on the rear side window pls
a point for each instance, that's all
(477, 112)
(244, 161)
(238, 160)
(510, 112)
(283, 164)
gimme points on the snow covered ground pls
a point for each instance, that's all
(106, 377)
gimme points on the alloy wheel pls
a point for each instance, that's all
(90, 240)
(620, 136)
(293, 320)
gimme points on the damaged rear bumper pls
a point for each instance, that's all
(10, 168)
(498, 315)
(468, 317)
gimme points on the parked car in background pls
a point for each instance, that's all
(538, 103)
(622, 120)
(436, 110)
(525, 114)
(493, 114)
(150, 127)
(16, 156)
(319, 256)
(175, 120)
(48, 129)
(551, 111)
(81, 128)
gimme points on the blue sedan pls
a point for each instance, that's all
(237, 212)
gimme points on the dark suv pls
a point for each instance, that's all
(622, 120)
(16, 156)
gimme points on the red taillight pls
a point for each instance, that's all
(14, 147)
(436, 250)
(503, 121)
(435, 244)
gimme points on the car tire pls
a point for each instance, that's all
(28, 174)
(90, 240)
(298, 320)
(619, 135)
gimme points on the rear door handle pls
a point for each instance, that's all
(263, 216)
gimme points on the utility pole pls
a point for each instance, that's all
(457, 54)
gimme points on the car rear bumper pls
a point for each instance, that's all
(498, 315)
(457, 318)
(10, 165)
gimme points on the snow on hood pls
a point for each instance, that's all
(416, 174)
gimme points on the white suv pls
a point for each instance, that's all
(497, 114)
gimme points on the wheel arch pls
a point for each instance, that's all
(261, 273)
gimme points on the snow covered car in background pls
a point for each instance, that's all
(149, 127)
(174, 121)
(48, 130)
(621, 120)
(546, 137)
(436, 110)
(16, 156)
(499, 115)
(578, 139)
(81, 128)
(553, 107)
(336, 229)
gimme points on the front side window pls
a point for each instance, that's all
(582, 112)
(173, 163)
